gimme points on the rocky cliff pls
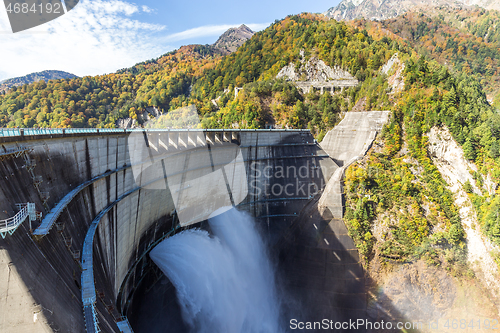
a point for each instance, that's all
(313, 70)
(315, 73)
(233, 38)
(385, 9)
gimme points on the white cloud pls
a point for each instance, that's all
(96, 37)
(203, 31)
(258, 26)
(209, 30)
(114, 7)
(146, 9)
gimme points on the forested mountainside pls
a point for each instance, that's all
(100, 100)
(462, 43)
(466, 40)
(398, 181)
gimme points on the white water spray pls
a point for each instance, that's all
(224, 283)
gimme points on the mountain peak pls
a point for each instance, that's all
(244, 28)
(386, 9)
(233, 38)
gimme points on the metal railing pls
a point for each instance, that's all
(124, 326)
(8, 226)
(11, 132)
(91, 322)
(18, 151)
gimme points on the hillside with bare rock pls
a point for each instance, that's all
(233, 38)
(386, 9)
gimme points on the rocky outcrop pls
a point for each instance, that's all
(150, 113)
(314, 70)
(421, 291)
(233, 38)
(394, 69)
(455, 169)
(126, 123)
(314, 73)
(153, 111)
(386, 9)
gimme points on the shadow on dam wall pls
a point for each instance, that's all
(50, 269)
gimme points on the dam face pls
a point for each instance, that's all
(81, 209)
(76, 178)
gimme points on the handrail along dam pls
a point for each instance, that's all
(83, 265)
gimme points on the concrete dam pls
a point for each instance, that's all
(82, 208)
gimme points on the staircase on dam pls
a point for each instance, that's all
(84, 267)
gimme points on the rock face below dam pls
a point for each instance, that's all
(83, 266)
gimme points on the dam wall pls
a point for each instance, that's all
(103, 210)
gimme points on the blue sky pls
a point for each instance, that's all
(101, 36)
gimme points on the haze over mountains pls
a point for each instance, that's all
(385, 9)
